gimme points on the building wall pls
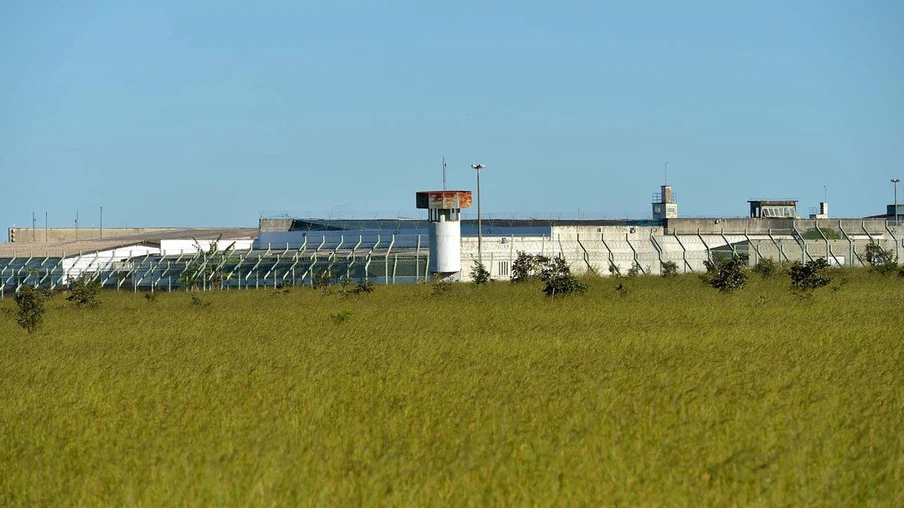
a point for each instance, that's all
(595, 249)
(59, 235)
(107, 261)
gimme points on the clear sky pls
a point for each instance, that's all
(211, 113)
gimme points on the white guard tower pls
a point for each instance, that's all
(444, 211)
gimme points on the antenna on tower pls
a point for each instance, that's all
(665, 173)
(444, 173)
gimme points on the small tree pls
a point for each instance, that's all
(559, 279)
(880, 260)
(83, 291)
(479, 274)
(527, 267)
(809, 276)
(635, 270)
(30, 301)
(322, 282)
(554, 272)
(206, 266)
(726, 275)
(669, 268)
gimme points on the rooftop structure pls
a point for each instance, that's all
(773, 208)
(664, 205)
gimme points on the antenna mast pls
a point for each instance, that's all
(444, 173)
(665, 173)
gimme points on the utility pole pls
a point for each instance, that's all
(894, 182)
(478, 167)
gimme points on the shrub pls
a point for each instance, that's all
(322, 282)
(614, 270)
(440, 286)
(527, 267)
(669, 268)
(559, 279)
(83, 291)
(205, 267)
(809, 276)
(364, 287)
(30, 301)
(880, 260)
(767, 267)
(340, 317)
(479, 274)
(635, 270)
(726, 274)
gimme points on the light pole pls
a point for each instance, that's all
(478, 167)
(894, 182)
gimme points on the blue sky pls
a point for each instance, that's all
(213, 113)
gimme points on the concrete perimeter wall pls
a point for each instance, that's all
(59, 235)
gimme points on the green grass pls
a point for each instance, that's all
(670, 394)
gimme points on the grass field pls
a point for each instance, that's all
(671, 394)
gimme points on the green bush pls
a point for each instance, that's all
(440, 286)
(527, 267)
(669, 268)
(365, 287)
(83, 291)
(479, 274)
(881, 260)
(340, 317)
(808, 276)
(767, 267)
(322, 281)
(559, 279)
(727, 274)
(635, 270)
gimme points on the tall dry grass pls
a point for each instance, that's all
(667, 393)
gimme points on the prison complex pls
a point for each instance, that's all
(294, 251)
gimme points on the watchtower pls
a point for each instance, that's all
(444, 213)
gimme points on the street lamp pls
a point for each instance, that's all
(478, 167)
(895, 181)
